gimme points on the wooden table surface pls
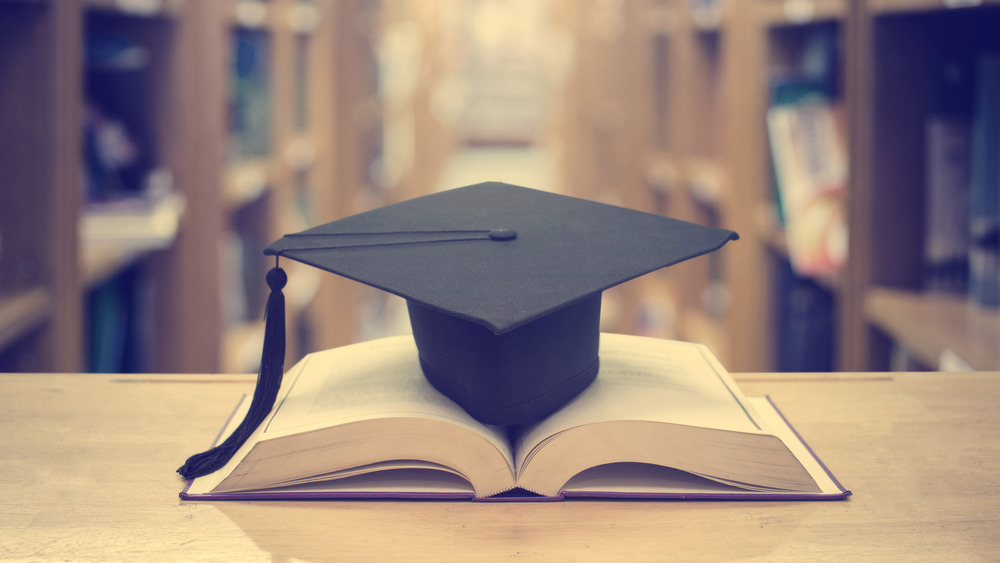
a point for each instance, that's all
(87, 472)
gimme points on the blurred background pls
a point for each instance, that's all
(150, 149)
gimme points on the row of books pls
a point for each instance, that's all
(809, 158)
(962, 177)
(962, 220)
(119, 314)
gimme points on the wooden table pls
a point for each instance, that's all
(87, 472)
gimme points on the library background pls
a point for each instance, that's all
(150, 149)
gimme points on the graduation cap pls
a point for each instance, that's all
(503, 287)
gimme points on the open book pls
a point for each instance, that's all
(662, 420)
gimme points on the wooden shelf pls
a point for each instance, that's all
(709, 78)
(246, 182)
(798, 12)
(931, 326)
(303, 18)
(708, 17)
(100, 261)
(663, 173)
(706, 180)
(116, 235)
(175, 111)
(679, 96)
(22, 313)
(299, 153)
(253, 14)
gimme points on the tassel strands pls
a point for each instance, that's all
(272, 366)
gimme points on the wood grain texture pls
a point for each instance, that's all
(88, 466)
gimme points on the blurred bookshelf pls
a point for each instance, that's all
(726, 84)
(924, 136)
(212, 128)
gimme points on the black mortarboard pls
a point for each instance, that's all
(503, 284)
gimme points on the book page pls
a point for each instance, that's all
(655, 380)
(405, 482)
(376, 379)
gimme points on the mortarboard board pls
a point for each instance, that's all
(503, 286)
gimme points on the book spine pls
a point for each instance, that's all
(120, 323)
(984, 222)
(250, 116)
(810, 174)
(946, 238)
(806, 324)
(948, 170)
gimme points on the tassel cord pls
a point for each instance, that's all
(268, 384)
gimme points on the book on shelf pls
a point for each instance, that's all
(120, 323)
(946, 233)
(948, 169)
(984, 219)
(251, 96)
(807, 324)
(809, 159)
(662, 420)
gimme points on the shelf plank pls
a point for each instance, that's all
(23, 312)
(303, 18)
(102, 260)
(708, 17)
(254, 14)
(886, 7)
(140, 8)
(115, 235)
(933, 325)
(706, 180)
(300, 153)
(800, 12)
(662, 173)
(246, 182)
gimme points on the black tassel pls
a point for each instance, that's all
(272, 365)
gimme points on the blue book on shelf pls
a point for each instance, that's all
(984, 220)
